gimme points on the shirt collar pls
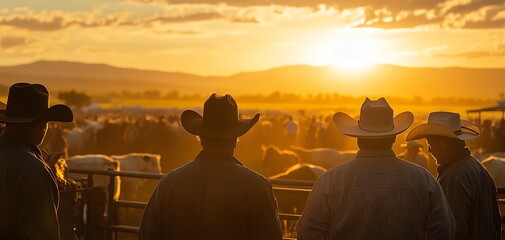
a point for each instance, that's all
(22, 142)
(365, 153)
(464, 153)
(218, 157)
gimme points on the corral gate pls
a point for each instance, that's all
(110, 227)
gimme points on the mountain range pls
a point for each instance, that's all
(380, 80)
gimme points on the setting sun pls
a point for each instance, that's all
(348, 51)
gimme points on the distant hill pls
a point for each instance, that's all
(300, 79)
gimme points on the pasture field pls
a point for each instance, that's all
(316, 108)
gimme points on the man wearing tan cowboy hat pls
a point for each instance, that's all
(469, 188)
(214, 196)
(376, 195)
(28, 190)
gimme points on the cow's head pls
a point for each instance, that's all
(152, 163)
(276, 160)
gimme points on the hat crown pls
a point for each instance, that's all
(220, 112)
(376, 116)
(448, 119)
(27, 100)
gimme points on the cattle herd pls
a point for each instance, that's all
(294, 145)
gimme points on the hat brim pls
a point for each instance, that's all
(411, 144)
(193, 123)
(468, 131)
(350, 126)
(56, 113)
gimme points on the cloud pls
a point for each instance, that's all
(54, 21)
(395, 5)
(181, 32)
(14, 41)
(474, 5)
(388, 14)
(498, 52)
(187, 18)
(481, 17)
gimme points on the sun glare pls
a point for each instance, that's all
(347, 52)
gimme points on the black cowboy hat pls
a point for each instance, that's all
(30, 102)
(220, 119)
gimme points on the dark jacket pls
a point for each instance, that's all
(211, 198)
(471, 193)
(28, 193)
(376, 196)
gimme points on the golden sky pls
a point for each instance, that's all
(231, 36)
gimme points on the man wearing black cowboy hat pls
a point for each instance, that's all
(28, 191)
(376, 195)
(214, 196)
(469, 188)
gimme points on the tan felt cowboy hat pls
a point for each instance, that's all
(30, 102)
(220, 119)
(375, 121)
(445, 124)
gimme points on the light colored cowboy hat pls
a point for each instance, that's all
(30, 102)
(445, 124)
(375, 121)
(220, 119)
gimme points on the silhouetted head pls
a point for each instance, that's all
(445, 149)
(27, 112)
(376, 144)
(446, 134)
(218, 145)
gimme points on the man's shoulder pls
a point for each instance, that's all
(18, 157)
(462, 170)
(401, 165)
(193, 166)
(464, 165)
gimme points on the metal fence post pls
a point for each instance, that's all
(111, 214)
(90, 216)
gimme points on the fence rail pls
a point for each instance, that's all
(279, 186)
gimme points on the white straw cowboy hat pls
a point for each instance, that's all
(445, 124)
(30, 102)
(375, 121)
(220, 119)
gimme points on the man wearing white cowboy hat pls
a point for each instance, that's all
(214, 196)
(376, 195)
(469, 188)
(28, 190)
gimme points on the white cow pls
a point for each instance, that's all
(80, 138)
(136, 162)
(324, 157)
(496, 168)
(95, 162)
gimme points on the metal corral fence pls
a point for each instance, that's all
(106, 227)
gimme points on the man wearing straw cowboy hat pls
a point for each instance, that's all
(469, 188)
(376, 195)
(214, 196)
(28, 191)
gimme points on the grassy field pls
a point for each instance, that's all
(420, 110)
